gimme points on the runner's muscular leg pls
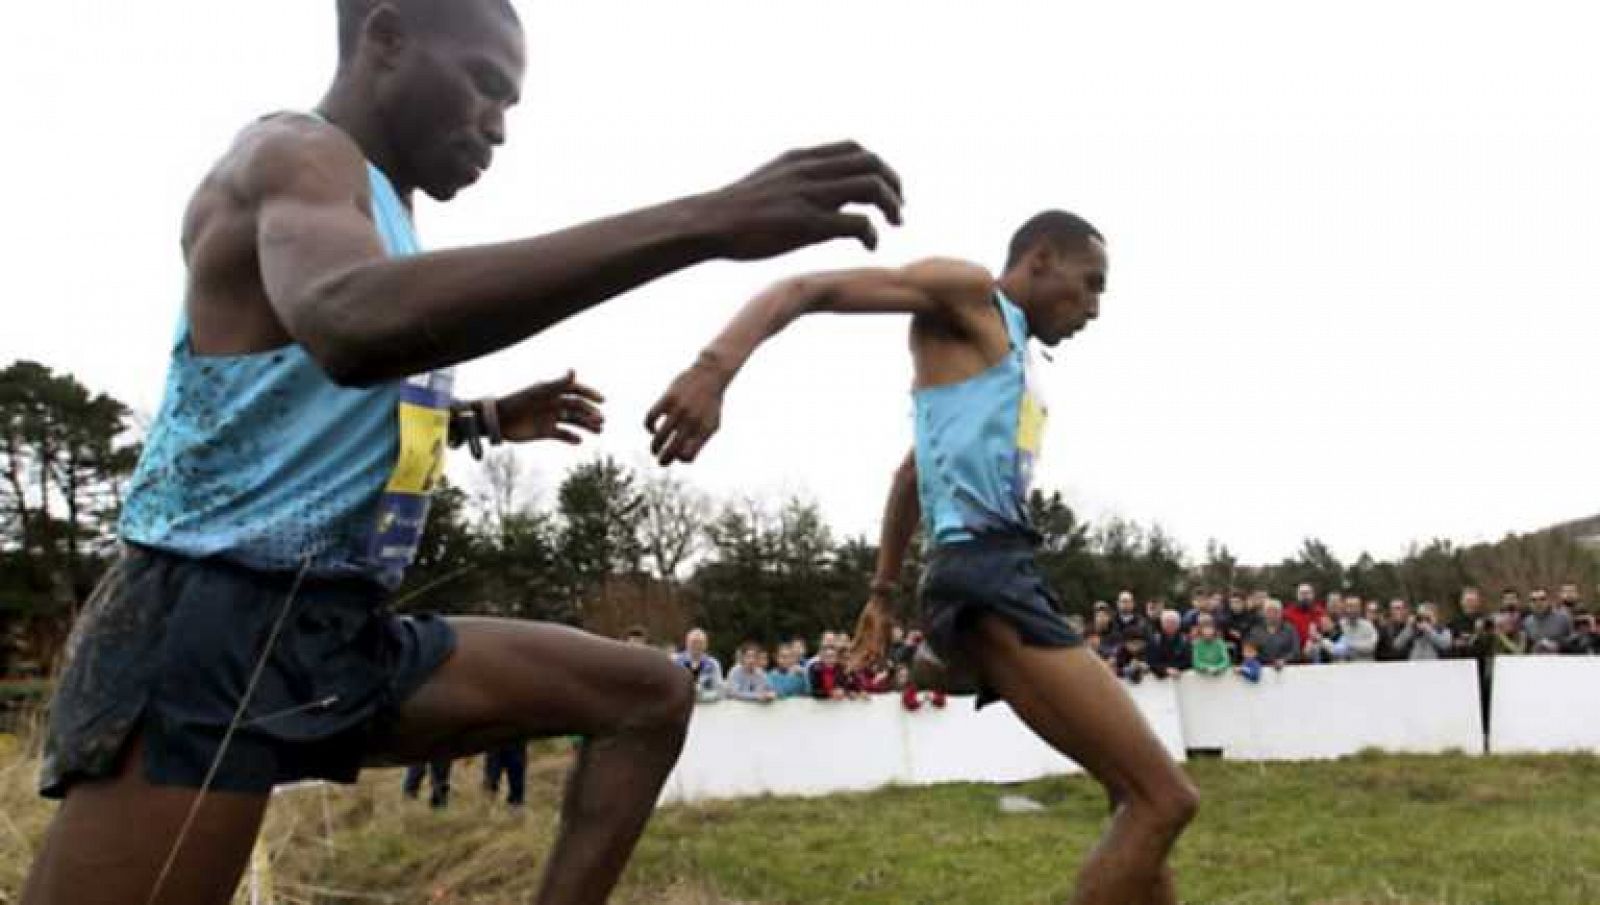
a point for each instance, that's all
(510, 680)
(110, 839)
(1076, 705)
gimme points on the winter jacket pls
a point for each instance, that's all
(1280, 646)
(1357, 642)
(1210, 658)
(792, 684)
(1419, 642)
(748, 684)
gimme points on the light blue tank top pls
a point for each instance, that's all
(260, 459)
(977, 443)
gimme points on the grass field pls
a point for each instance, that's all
(1372, 829)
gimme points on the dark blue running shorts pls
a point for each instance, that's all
(166, 646)
(997, 575)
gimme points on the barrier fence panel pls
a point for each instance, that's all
(799, 747)
(1315, 712)
(1544, 705)
(804, 747)
(993, 745)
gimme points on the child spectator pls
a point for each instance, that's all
(828, 679)
(1132, 663)
(1209, 653)
(827, 640)
(1250, 667)
(748, 681)
(788, 679)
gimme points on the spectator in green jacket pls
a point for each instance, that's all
(1209, 653)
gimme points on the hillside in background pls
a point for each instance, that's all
(1585, 531)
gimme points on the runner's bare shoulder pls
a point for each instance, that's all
(298, 155)
(962, 288)
(284, 153)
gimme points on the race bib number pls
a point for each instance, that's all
(424, 421)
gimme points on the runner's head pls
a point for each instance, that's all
(1056, 270)
(437, 77)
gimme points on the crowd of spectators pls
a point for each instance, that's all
(1244, 633)
(1217, 635)
(761, 676)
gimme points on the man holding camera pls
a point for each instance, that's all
(1422, 638)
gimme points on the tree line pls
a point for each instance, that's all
(618, 547)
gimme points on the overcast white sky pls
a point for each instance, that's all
(1353, 244)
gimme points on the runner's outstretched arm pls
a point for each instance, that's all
(689, 413)
(367, 317)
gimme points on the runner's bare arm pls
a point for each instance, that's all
(689, 413)
(900, 517)
(368, 318)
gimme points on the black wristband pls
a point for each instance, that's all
(466, 427)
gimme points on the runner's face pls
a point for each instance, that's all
(1068, 288)
(448, 99)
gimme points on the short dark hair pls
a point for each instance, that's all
(1061, 229)
(353, 14)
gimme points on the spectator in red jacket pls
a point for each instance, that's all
(874, 678)
(1305, 612)
(829, 681)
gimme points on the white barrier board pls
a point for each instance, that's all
(1317, 712)
(810, 748)
(1544, 705)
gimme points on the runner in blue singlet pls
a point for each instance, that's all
(244, 637)
(980, 422)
